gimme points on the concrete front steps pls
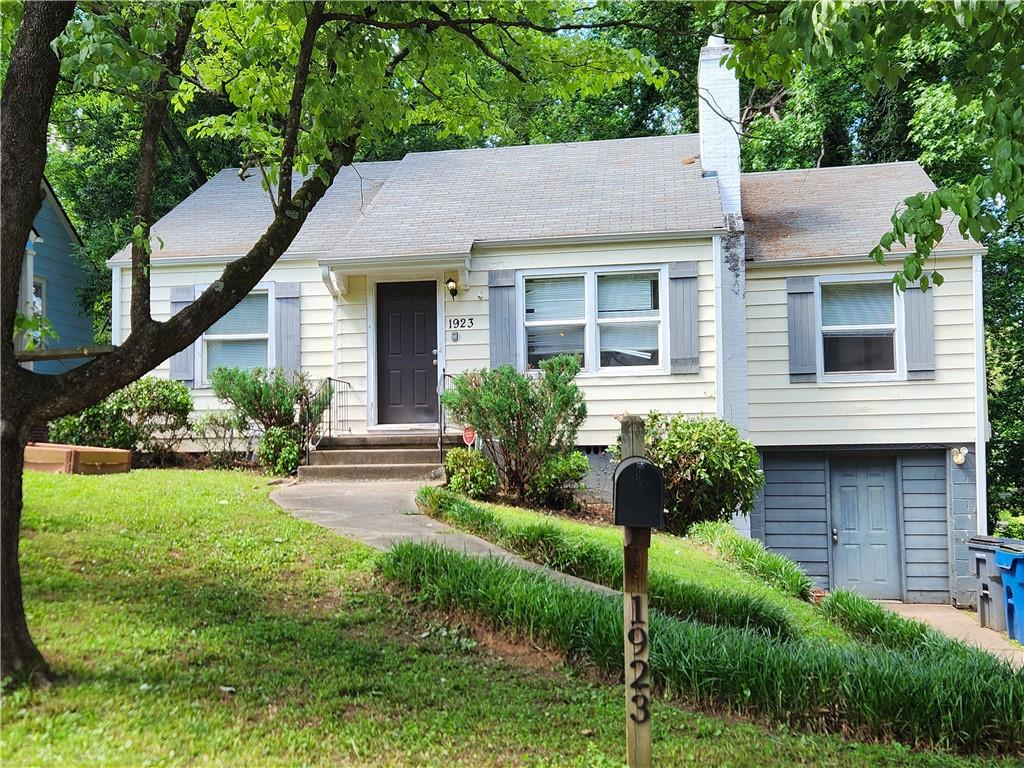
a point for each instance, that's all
(375, 457)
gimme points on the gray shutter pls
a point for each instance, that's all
(802, 329)
(919, 311)
(183, 364)
(286, 326)
(501, 301)
(684, 333)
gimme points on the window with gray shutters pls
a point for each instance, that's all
(858, 327)
(241, 338)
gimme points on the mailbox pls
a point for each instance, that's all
(638, 494)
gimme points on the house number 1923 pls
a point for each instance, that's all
(640, 684)
(457, 323)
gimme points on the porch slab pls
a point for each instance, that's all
(961, 625)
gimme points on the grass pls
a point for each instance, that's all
(750, 555)
(672, 559)
(600, 562)
(150, 591)
(970, 703)
(871, 623)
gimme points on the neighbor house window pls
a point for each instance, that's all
(858, 327)
(38, 297)
(612, 319)
(241, 338)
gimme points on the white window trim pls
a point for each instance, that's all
(899, 348)
(590, 320)
(202, 379)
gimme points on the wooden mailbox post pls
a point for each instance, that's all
(638, 501)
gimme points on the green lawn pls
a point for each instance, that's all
(680, 558)
(154, 591)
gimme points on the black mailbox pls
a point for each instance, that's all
(638, 494)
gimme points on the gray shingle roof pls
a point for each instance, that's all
(226, 215)
(444, 202)
(823, 212)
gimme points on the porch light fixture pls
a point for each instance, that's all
(452, 286)
(960, 456)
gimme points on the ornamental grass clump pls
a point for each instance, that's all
(751, 556)
(969, 704)
(546, 544)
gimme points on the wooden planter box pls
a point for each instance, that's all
(76, 459)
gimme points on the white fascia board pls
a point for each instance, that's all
(617, 237)
(200, 261)
(378, 263)
(974, 250)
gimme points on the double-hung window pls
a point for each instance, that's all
(556, 320)
(629, 319)
(859, 323)
(240, 339)
(611, 318)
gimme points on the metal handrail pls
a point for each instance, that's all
(323, 412)
(447, 383)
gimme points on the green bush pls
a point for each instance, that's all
(710, 471)
(965, 703)
(222, 435)
(524, 421)
(471, 473)
(279, 450)
(150, 415)
(547, 545)
(267, 398)
(558, 481)
(1011, 528)
(750, 555)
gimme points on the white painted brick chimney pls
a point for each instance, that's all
(719, 119)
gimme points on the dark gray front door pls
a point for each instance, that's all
(407, 352)
(866, 546)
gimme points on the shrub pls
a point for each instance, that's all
(279, 450)
(267, 398)
(750, 555)
(524, 421)
(222, 435)
(546, 544)
(558, 481)
(1011, 528)
(710, 471)
(471, 473)
(150, 414)
(969, 704)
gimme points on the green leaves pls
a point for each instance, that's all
(957, 65)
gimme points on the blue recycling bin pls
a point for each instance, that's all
(1010, 562)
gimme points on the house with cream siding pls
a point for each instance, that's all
(684, 285)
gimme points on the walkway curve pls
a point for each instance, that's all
(380, 514)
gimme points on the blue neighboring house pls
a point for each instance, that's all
(51, 276)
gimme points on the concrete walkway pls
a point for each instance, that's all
(381, 514)
(963, 626)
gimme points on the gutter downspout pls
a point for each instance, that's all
(328, 277)
(980, 399)
(716, 262)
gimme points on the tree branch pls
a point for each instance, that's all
(291, 130)
(152, 126)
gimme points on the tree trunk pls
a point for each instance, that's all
(20, 660)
